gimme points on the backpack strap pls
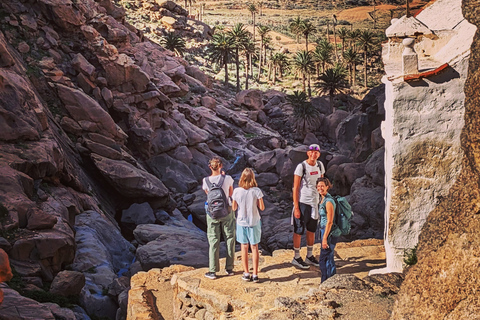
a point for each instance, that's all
(220, 182)
(209, 184)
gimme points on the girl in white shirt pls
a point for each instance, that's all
(247, 199)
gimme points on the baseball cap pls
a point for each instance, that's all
(314, 147)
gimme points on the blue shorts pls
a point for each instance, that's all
(252, 235)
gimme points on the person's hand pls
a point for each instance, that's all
(296, 213)
(324, 244)
(223, 172)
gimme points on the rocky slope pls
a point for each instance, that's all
(104, 130)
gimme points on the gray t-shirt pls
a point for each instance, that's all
(227, 183)
(247, 214)
(308, 188)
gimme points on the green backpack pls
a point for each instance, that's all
(343, 214)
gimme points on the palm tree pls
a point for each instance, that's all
(343, 35)
(353, 37)
(332, 81)
(322, 55)
(239, 35)
(253, 10)
(366, 40)
(335, 37)
(174, 43)
(305, 115)
(221, 50)
(249, 50)
(278, 63)
(306, 29)
(262, 32)
(350, 57)
(295, 27)
(303, 63)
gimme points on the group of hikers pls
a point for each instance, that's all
(312, 206)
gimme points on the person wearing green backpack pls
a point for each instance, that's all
(327, 214)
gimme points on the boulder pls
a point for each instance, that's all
(345, 134)
(80, 64)
(138, 214)
(60, 313)
(16, 306)
(208, 102)
(198, 74)
(102, 254)
(264, 161)
(345, 176)
(345, 282)
(310, 138)
(368, 204)
(322, 105)
(84, 109)
(125, 73)
(252, 99)
(67, 283)
(331, 123)
(375, 167)
(172, 245)
(129, 180)
(37, 219)
(267, 179)
(176, 175)
(183, 154)
(18, 102)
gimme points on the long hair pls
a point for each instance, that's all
(215, 163)
(247, 179)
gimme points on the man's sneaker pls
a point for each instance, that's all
(299, 263)
(255, 278)
(311, 261)
(211, 275)
(229, 272)
(246, 276)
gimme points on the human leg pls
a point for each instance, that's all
(255, 258)
(213, 236)
(244, 249)
(228, 229)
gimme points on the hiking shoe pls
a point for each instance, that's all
(311, 260)
(229, 272)
(255, 278)
(299, 263)
(211, 275)
(246, 276)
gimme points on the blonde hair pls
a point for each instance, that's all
(215, 163)
(247, 179)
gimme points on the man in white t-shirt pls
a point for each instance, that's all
(305, 205)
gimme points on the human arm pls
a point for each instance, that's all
(261, 204)
(328, 227)
(296, 196)
(234, 205)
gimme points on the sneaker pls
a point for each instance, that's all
(311, 260)
(246, 276)
(229, 272)
(299, 263)
(255, 278)
(211, 275)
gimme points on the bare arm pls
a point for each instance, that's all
(261, 204)
(296, 195)
(328, 227)
(234, 205)
(230, 191)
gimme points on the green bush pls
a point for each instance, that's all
(410, 256)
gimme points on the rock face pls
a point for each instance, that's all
(440, 285)
(422, 137)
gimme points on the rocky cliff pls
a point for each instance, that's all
(444, 283)
(105, 136)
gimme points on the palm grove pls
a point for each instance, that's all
(324, 66)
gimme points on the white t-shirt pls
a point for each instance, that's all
(247, 215)
(227, 183)
(308, 185)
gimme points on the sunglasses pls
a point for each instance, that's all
(315, 148)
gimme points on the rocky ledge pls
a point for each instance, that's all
(283, 292)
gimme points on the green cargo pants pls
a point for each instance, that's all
(225, 226)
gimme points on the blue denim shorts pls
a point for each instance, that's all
(252, 235)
